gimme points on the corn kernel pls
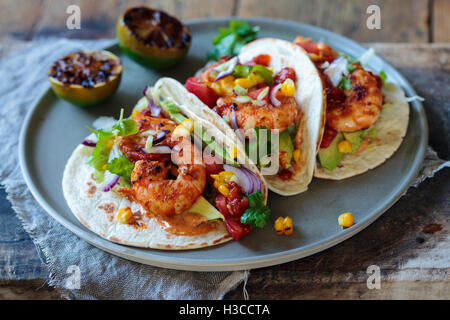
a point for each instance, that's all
(124, 215)
(135, 113)
(188, 124)
(287, 226)
(244, 83)
(104, 166)
(217, 88)
(345, 146)
(346, 220)
(288, 88)
(225, 176)
(215, 176)
(296, 155)
(217, 184)
(180, 131)
(278, 225)
(256, 79)
(233, 152)
(223, 189)
(283, 226)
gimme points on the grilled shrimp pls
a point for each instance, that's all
(164, 187)
(249, 116)
(133, 145)
(362, 105)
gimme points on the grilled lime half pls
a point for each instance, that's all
(153, 38)
(85, 78)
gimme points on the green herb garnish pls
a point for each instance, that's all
(105, 141)
(241, 71)
(229, 41)
(257, 213)
(383, 76)
(344, 84)
(121, 166)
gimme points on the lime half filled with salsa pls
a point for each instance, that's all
(85, 78)
(152, 37)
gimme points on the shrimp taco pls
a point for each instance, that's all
(158, 179)
(366, 116)
(271, 90)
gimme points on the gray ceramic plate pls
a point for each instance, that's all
(54, 128)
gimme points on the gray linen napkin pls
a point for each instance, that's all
(102, 275)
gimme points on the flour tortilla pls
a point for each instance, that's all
(97, 211)
(391, 128)
(309, 94)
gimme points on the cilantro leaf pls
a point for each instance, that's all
(257, 213)
(230, 40)
(100, 155)
(105, 141)
(121, 166)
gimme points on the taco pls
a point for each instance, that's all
(271, 95)
(159, 180)
(366, 119)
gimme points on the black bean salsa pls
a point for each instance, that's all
(84, 68)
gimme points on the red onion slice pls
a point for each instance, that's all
(160, 136)
(235, 127)
(273, 95)
(244, 176)
(226, 68)
(154, 108)
(112, 180)
(89, 143)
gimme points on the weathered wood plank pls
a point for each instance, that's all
(401, 20)
(19, 17)
(98, 18)
(441, 21)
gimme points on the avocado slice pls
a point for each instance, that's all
(206, 209)
(354, 138)
(286, 149)
(329, 157)
(370, 133)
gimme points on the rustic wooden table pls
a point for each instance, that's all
(410, 242)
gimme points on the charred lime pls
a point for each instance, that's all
(152, 37)
(86, 77)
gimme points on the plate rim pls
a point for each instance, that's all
(233, 264)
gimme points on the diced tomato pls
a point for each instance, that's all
(262, 59)
(233, 223)
(285, 174)
(254, 94)
(284, 74)
(198, 87)
(213, 166)
(236, 199)
(328, 137)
